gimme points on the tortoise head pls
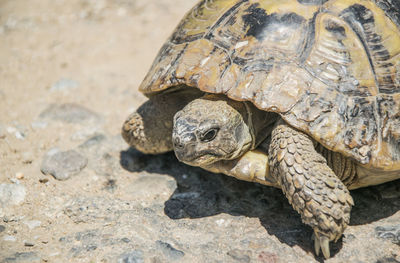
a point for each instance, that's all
(210, 129)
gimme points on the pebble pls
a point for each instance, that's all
(33, 224)
(63, 165)
(13, 218)
(19, 175)
(15, 181)
(27, 157)
(11, 194)
(64, 84)
(135, 256)
(43, 180)
(125, 239)
(2, 228)
(23, 257)
(239, 255)
(391, 233)
(28, 244)
(69, 113)
(9, 238)
(169, 250)
(17, 133)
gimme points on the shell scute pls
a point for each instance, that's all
(330, 68)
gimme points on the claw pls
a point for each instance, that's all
(317, 245)
(325, 246)
(321, 242)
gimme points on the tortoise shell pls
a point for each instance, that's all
(330, 68)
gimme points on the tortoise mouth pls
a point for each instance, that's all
(198, 159)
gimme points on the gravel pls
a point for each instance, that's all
(63, 165)
(11, 194)
(169, 251)
(391, 233)
(22, 257)
(69, 113)
(135, 256)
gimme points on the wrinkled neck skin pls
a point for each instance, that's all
(214, 128)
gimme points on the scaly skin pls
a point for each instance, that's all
(311, 187)
(251, 166)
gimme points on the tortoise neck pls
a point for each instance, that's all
(260, 122)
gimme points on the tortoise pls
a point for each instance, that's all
(303, 95)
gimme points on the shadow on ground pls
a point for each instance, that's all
(202, 194)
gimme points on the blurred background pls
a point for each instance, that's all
(92, 52)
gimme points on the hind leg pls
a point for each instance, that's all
(149, 128)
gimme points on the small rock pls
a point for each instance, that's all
(391, 233)
(23, 257)
(62, 165)
(28, 244)
(169, 250)
(19, 175)
(69, 113)
(9, 238)
(13, 218)
(64, 84)
(135, 256)
(33, 224)
(17, 133)
(388, 260)
(15, 181)
(220, 222)
(11, 194)
(239, 255)
(2, 228)
(125, 239)
(27, 157)
(43, 180)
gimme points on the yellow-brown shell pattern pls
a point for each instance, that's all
(330, 68)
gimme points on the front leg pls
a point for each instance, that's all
(149, 128)
(311, 187)
(251, 166)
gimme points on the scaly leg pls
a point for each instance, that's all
(311, 187)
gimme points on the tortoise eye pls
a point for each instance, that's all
(209, 135)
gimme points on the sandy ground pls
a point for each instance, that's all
(95, 53)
